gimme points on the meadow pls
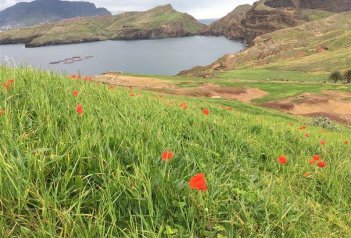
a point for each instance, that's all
(83, 159)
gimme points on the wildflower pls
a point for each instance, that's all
(75, 93)
(167, 155)
(198, 182)
(229, 108)
(323, 142)
(205, 111)
(111, 87)
(307, 174)
(183, 105)
(307, 135)
(282, 159)
(303, 127)
(132, 94)
(79, 110)
(2, 112)
(7, 85)
(321, 164)
(315, 159)
(346, 142)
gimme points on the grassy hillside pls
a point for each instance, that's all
(96, 170)
(320, 46)
(159, 22)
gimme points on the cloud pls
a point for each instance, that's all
(198, 8)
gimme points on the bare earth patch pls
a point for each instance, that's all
(207, 90)
(331, 104)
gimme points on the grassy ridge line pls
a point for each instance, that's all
(100, 175)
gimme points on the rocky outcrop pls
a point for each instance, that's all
(157, 23)
(270, 15)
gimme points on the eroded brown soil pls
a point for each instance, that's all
(332, 104)
(206, 90)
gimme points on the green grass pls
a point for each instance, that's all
(272, 75)
(100, 175)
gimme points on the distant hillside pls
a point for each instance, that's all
(159, 22)
(317, 46)
(42, 11)
(270, 15)
(228, 25)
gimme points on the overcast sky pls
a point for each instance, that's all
(198, 8)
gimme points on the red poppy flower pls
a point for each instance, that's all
(315, 159)
(79, 110)
(132, 94)
(183, 105)
(307, 174)
(321, 164)
(205, 111)
(7, 85)
(307, 135)
(282, 159)
(75, 93)
(2, 112)
(229, 108)
(303, 127)
(198, 182)
(323, 142)
(346, 142)
(111, 87)
(167, 155)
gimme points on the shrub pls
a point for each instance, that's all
(335, 76)
(325, 123)
(347, 76)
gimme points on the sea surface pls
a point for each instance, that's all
(157, 57)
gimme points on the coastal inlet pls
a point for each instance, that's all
(160, 57)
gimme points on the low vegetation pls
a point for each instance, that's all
(336, 76)
(81, 159)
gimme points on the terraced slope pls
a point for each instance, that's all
(159, 22)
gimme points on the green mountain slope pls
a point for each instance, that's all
(317, 46)
(100, 174)
(159, 22)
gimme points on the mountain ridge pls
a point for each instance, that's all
(156, 23)
(36, 12)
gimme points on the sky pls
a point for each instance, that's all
(200, 9)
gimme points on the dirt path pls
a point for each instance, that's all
(206, 90)
(332, 104)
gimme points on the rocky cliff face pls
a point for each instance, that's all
(270, 15)
(230, 25)
(41, 11)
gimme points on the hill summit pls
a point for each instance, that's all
(43, 11)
